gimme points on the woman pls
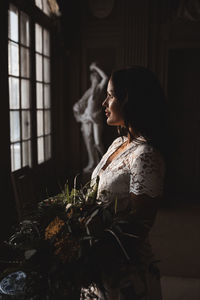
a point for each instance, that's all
(132, 171)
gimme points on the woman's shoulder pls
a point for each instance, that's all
(119, 140)
(148, 155)
(144, 148)
(147, 170)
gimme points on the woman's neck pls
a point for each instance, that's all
(131, 135)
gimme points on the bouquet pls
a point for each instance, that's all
(60, 250)
(49, 251)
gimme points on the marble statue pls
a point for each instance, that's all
(88, 111)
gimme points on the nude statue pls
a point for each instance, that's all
(88, 112)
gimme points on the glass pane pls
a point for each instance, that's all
(26, 125)
(24, 29)
(14, 93)
(38, 3)
(47, 96)
(15, 156)
(26, 153)
(38, 38)
(39, 67)
(25, 62)
(25, 93)
(46, 8)
(13, 23)
(39, 88)
(46, 43)
(47, 143)
(46, 69)
(47, 121)
(14, 126)
(13, 68)
(40, 130)
(40, 143)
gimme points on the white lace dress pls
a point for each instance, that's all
(139, 169)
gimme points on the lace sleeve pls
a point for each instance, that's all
(147, 174)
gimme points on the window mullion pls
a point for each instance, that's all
(33, 94)
(20, 92)
(43, 87)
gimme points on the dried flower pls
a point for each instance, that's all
(53, 228)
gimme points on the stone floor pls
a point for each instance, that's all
(175, 239)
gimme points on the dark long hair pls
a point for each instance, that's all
(143, 104)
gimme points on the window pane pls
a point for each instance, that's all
(13, 59)
(46, 8)
(15, 156)
(13, 23)
(26, 152)
(47, 97)
(40, 130)
(46, 70)
(14, 126)
(38, 3)
(38, 38)
(39, 67)
(14, 92)
(24, 29)
(47, 120)
(25, 59)
(40, 144)
(46, 42)
(26, 125)
(39, 87)
(25, 93)
(47, 142)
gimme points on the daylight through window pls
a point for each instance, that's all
(28, 143)
(43, 105)
(19, 88)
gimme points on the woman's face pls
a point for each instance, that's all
(113, 108)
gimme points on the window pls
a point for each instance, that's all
(19, 88)
(42, 57)
(43, 5)
(48, 6)
(29, 96)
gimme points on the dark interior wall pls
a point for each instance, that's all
(184, 101)
(179, 50)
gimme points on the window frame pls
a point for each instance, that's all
(36, 16)
(20, 109)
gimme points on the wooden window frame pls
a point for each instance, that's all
(35, 16)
